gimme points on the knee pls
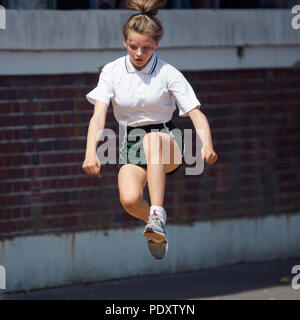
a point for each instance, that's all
(130, 201)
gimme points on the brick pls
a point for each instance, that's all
(8, 94)
(8, 227)
(254, 118)
(5, 107)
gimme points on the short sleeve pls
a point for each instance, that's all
(104, 90)
(182, 91)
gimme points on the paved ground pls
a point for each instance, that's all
(257, 281)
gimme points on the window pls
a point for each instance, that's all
(87, 4)
(171, 4)
(71, 5)
(253, 4)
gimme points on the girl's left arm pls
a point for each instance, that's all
(203, 130)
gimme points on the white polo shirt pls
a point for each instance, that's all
(148, 96)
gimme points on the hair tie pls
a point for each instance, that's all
(150, 15)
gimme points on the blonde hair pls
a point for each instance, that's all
(145, 22)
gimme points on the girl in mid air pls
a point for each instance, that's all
(144, 91)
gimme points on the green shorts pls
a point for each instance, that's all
(131, 143)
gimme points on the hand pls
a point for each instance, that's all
(91, 165)
(208, 155)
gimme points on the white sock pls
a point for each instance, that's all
(160, 212)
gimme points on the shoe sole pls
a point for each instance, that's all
(164, 253)
(154, 236)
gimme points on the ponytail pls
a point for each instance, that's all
(144, 22)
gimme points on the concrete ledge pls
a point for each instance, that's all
(50, 260)
(187, 59)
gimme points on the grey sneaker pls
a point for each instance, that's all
(155, 230)
(158, 250)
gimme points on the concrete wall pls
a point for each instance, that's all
(52, 42)
(55, 260)
(101, 29)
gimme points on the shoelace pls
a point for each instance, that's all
(155, 220)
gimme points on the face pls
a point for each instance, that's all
(140, 48)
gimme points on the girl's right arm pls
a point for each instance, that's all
(91, 164)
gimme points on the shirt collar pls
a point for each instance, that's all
(149, 68)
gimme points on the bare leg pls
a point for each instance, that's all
(159, 150)
(131, 194)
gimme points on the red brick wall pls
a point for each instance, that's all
(255, 122)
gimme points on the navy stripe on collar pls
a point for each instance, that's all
(151, 70)
(154, 65)
(126, 65)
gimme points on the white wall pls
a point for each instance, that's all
(51, 260)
